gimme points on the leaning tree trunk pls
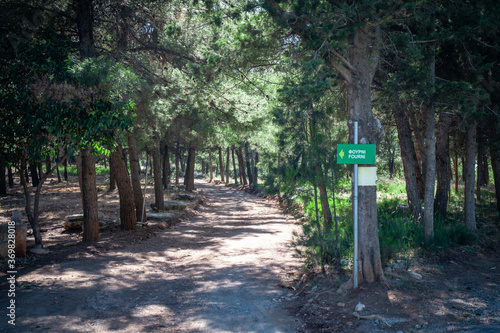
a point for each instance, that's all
(127, 205)
(470, 161)
(405, 143)
(189, 177)
(136, 179)
(159, 199)
(112, 177)
(443, 165)
(89, 196)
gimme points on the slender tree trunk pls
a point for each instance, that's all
(241, 164)
(127, 205)
(177, 160)
(65, 170)
(59, 180)
(249, 167)
(189, 177)
(10, 177)
(221, 165)
(34, 175)
(227, 167)
(3, 182)
(470, 161)
(40, 170)
(48, 163)
(494, 133)
(255, 168)
(159, 199)
(183, 161)
(89, 196)
(135, 178)
(112, 177)
(166, 167)
(210, 166)
(406, 144)
(479, 169)
(456, 172)
(443, 165)
(234, 168)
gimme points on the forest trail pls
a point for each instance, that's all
(219, 271)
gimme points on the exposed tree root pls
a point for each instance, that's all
(371, 317)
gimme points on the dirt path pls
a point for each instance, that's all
(218, 272)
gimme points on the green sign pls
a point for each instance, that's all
(355, 154)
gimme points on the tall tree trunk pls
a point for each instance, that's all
(241, 164)
(210, 166)
(166, 167)
(359, 106)
(443, 165)
(249, 167)
(10, 176)
(494, 133)
(177, 160)
(135, 178)
(234, 168)
(406, 146)
(189, 177)
(159, 198)
(65, 174)
(227, 167)
(48, 163)
(59, 180)
(112, 176)
(480, 169)
(3, 181)
(183, 161)
(255, 168)
(430, 153)
(127, 205)
(34, 175)
(85, 19)
(455, 164)
(221, 165)
(89, 196)
(470, 161)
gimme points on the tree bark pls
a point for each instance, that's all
(65, 174)
(127, 205)
(159, 198)
(10, 176)
(34, 175)
(443, 164)
(3, 181)
(455, 164)
(221, 165)
(112, 176)
(189, 177)
(248, 164)
(241, 164)
(166, 166)
(406, 147)
(210, 166)
(227, 167)
(470, 161)
(494, 133)
(177, 160)
(359, 108)
(255, 168)
(136, 179)
(85, 19)
(234, 168)
(89, 196)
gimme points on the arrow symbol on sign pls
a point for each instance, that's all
(341, 154)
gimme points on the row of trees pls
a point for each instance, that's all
(273, 82)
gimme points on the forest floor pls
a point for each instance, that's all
(226, 265)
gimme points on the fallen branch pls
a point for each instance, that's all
(371, 317)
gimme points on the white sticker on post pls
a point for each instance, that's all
(367, 176)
